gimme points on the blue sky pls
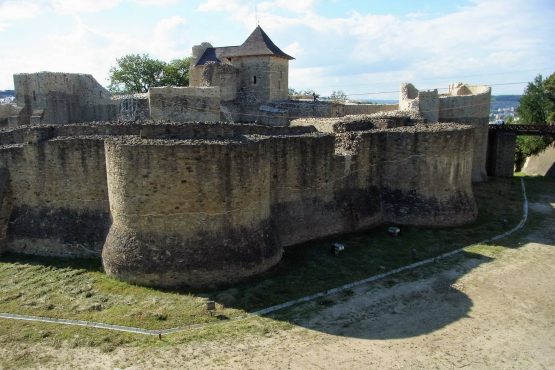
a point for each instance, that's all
(359, 47)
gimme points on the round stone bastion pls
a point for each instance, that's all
(188, 212)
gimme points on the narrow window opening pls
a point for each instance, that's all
(279, 85)
(34, 96)
(254, 80)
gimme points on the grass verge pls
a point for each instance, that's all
(77, 289)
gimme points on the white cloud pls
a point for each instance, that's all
(157, 2)
(82, 6)
(294, 49)
(170, 38)
(485, 37)
(11, 11)
(87, 49)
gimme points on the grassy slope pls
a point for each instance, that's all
(77, 289)
(498, 200)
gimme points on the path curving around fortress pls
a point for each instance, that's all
(495, 311)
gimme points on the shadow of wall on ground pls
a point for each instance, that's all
(427, 299)
(416, 304)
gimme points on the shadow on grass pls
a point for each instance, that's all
(418, 304)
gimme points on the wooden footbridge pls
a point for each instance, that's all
(539, 130)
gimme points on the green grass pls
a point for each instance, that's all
(310, 268)
(78, 289)
(75, 288)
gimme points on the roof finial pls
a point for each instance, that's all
(256, 12)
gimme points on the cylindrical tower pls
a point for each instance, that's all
(192, 213)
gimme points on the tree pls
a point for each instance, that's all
(338, 96)
(136, 73)
(176, 72)
(536, 103)
(537, 106)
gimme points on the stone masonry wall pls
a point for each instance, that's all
(59, 204)
(350, 109)
(205, 206)
(182, 104)
(501, 154)
(472, 109)
(201, 204)
(465, 104)
(58, 98)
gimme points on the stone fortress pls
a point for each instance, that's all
(166, 201)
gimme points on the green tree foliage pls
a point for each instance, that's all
(176, 72)
(537, 106)
(136, 73)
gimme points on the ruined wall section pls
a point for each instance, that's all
(132, 107)
(59, 203)
(7, 111)
(425, 102)
(425, 174)
(182, 104)
(201, 204)
(58, 98)
(470, 105)
(225, 76)
(355, 109)
(465, 104)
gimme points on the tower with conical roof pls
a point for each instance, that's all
(251, 74)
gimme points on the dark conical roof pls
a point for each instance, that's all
(258, 43)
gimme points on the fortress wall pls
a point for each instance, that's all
(190, 130)
(471, 110)
(425, 175)
(6, 110)
(428, 103)
(132, 107)
(185, 103)
(57, 98)
(5, 207)
(300, 109)
(224, 76)
(303, 204)
(368, 108)
(59, 202)
(189, 213)
(182, 209)
(317, 193)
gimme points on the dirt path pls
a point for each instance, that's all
(479, 313)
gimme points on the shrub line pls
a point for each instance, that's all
(267, 310)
